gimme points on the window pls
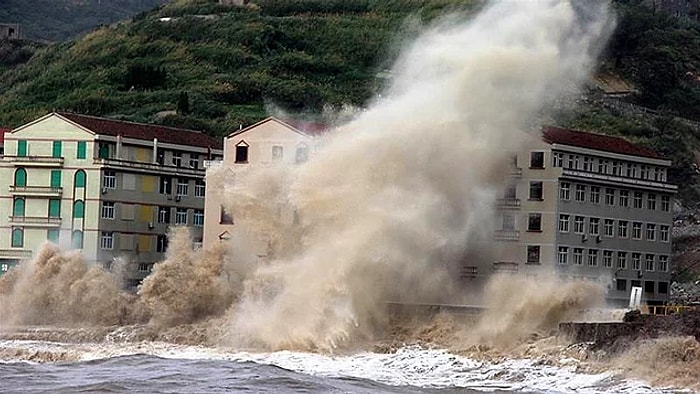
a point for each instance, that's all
(302, 154)
(649, 262)
(536, 190)
(194, 160)
(602, 166)
(573, 162)
(645, 172)
(108, 210)
(587, 163)
(578, 224)
(533, 254)
(21, 177)
(622, 227)
(4, 267)
(18, 207)
(242, 152)
(177, 159)
(510, 192)
(636, 283)
(79, 178)
(637, 202)
(594, 226)
(56, 149)
(607, 258)
(199, 188)
(609, 196)
(557, 159)
(616, 168)
(17, 237)
(161, 243)
(166, 186)
(160, 156)
(580, 193)
(649, 286)
(622, 260)
(508, 221)
(225, 217)
(22, 148)
(534, 222)
(109, 179)
(103, 150)
(621, 284)
(637, 230)
(663, 287)
(631, 170)
(578, 256)
(564, 223)
(651, 202)
(128, 211)
(636, 261)
(662, 264)
(144, 267)
(608, 226)
(277, 153)
(182, 187)
(565, 191)
(77, 239)
(665, 203)
(536, 159)
(624, 198)
(181, 216)
(82, 150)
(54, 208)
(595, 194)
(78, 209)
(55, 178)
(651, 231)
(663, 233)
(563, 255)
(52, 235)
(592, 257)
(198, 218)
(107, 240)
(164, 215)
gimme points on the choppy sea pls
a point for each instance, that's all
(154, 367)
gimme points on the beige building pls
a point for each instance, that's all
(267, 142)
(109, 188)
(589, 206)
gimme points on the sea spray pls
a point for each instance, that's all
(401, 193)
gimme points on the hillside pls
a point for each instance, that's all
(59, 20)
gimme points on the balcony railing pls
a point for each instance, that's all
(15, 254)
(148, 167)
(507, 235)
(36, 221)
(44, 191)
(516, 172)
(508, 203)
(35, 161)
(505, 266)
(616, 179)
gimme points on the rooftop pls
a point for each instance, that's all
(143, 131)
(606, 143)
(309, 129)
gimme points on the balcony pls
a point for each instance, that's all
(35, 161)
(35, 221)
(506, 235)
(505, 266)
(148, 167)
(36, 191)
(508, 203)
(516, 172)
(20, 254)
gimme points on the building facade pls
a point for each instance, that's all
(589, 206)
(10, 31)
(109, 188)
(268, 142)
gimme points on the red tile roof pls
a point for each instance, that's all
(581, 139)
(143, 131)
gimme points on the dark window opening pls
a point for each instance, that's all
(621, 285)
(537, 160)
(533, 254)
(241, 153)
(534, 222)
(663, 287)
(636, 283)
(535, 190)
(225, 217)
(649, 286)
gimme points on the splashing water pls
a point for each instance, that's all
(406, 189)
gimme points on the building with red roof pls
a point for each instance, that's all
(589, 206)
(110, 188)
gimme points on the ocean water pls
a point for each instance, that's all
(155, 367)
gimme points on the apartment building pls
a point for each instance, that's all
(107, 187)
(589, 206)
(269, 142)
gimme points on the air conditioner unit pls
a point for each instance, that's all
(584, 238)
(178, 198)
(150, 225)
(104, 190)
(597, 239)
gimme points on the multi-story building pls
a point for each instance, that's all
(589, 206)
(107, 187)
(268, 142)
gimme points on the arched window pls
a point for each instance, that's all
(77, 239)
(17, 237)
(18, 207)
(242, 152)
(78, 209)
(21, 177)
(79, 178)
